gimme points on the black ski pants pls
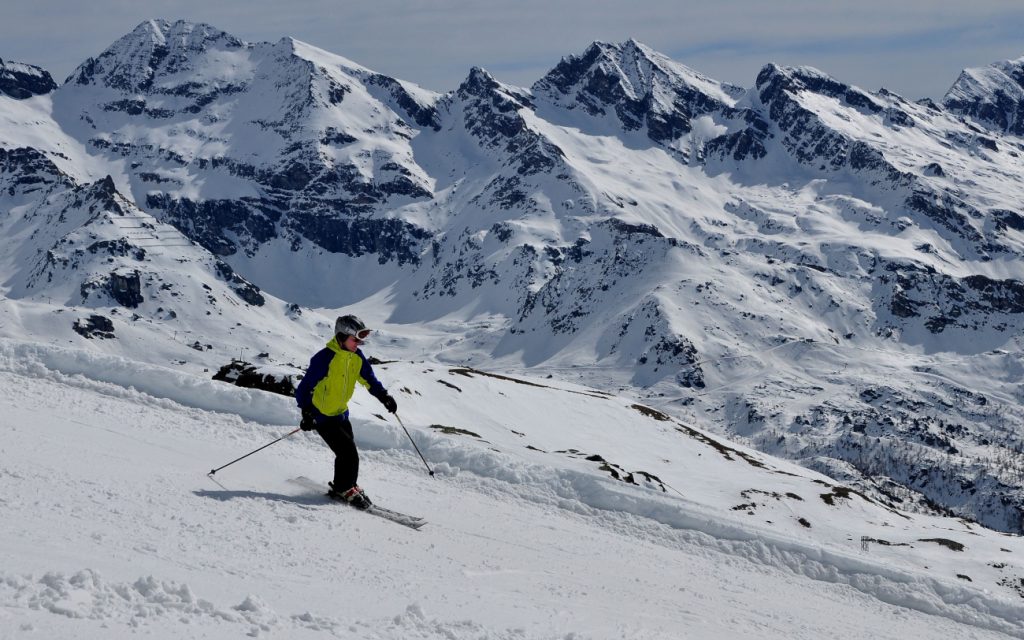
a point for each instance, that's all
(337, 433)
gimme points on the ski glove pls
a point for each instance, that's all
(389, 403)
(309, 415)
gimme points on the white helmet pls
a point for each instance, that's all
(351, 326)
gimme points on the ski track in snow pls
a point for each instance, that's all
(146, 410)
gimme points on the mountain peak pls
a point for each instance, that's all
(155, 29)
(631, 45)
(774, 78)
(992, 95)
(104, 192)
(645, 89)
(106, 185)
(802, 75)
(481, 84)
(481, 76)
(179, 32)
(630, 62)
(154, 46)
(629, 70)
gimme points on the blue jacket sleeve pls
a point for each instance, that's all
(316, 372)
(376, 389)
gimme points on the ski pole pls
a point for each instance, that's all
(252, 452)
(414, 444)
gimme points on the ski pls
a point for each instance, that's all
(413, 522)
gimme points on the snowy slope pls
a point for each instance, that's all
(82, 262)
(112, 526)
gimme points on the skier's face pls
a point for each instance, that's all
(352, 343)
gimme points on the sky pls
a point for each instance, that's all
(916, 48)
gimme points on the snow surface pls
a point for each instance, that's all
(111, 526)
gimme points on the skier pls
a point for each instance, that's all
(323, 397)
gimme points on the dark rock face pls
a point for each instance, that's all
(691, 377)
(22, 81)
(244, 289)
(120, 247)
(663, 349)
(25, 171)
(95, 326)
(424, 116)
(125, 288)
(1005, 219)
(338, 138)
(942, 301)
(828, 150)
(161, 70)
(326, 208)
(803, 134)
(946, 210)
(464, 264)
(211, 222)
(250, 376)
(1003, 296)
(748, 142)
(809, 140)
(569, 72)
(773, 80)
(390, 239)
(491, 112)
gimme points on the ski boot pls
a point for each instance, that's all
(354, 496)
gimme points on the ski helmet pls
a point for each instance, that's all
(351, 326)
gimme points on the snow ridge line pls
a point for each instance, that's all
(691, 524)
(144, 382)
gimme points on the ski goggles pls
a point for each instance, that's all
(362, 335)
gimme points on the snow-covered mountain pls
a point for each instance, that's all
(242, 143)
(111, 272)
(824, 273)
